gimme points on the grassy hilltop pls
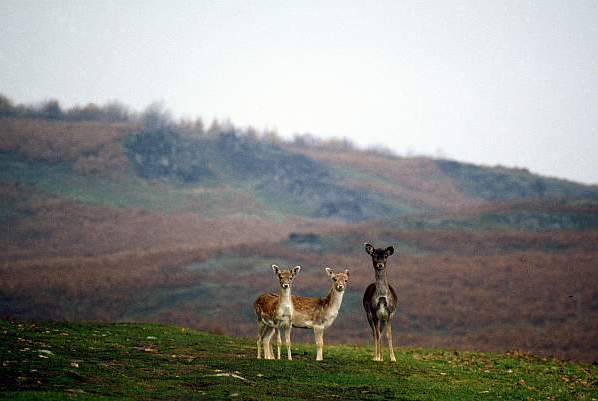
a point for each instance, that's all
(57, 361)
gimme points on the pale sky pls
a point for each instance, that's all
(491, 82)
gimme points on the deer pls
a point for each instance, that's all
(380, 301)
(319, 313)
(276, 312)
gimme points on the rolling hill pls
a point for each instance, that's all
(117, 221)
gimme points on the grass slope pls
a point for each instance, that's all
(56, 361)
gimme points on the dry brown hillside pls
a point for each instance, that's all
(110, 221)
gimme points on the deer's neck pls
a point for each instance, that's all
(284, 310)
(381, 281)
(330, 308)
(285, 295)
(335, 299)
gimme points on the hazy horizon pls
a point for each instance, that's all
(509, 83)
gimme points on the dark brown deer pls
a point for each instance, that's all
(276, 313)
(380, 301)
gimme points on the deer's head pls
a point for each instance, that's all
(286, 276)
(340, 280)
(379, 255)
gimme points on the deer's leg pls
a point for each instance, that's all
(287, 335)
(266, 343)
(278, 343)
(260, 336)
(378, 337)
(261, 340)
(389, 337)
(381, 329)
(270, 346)
(319, 335)
(375, 335)
(373, 327)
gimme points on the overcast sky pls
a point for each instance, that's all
(490, 82)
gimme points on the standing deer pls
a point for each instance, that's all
(276, 313)
(380, 301)
(319, 313)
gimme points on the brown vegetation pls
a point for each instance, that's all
(475, 294)
(465, 288)
(414, 181)
(92, 288)
(91, 147)
(57, 227)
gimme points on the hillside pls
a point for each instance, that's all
(57, 361)
(116, 221)
(285, 179)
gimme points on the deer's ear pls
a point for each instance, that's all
(369, 248)
(329, 271)
(275, 268)
(295, 270)
(389, 251)
(347, 272)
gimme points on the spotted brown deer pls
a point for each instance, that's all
(319, 313)
(276, 312)
(380, 301)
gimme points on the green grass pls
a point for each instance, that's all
(57, 361)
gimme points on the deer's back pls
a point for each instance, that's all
(309, 311)
(265, 305)
(306, 304)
